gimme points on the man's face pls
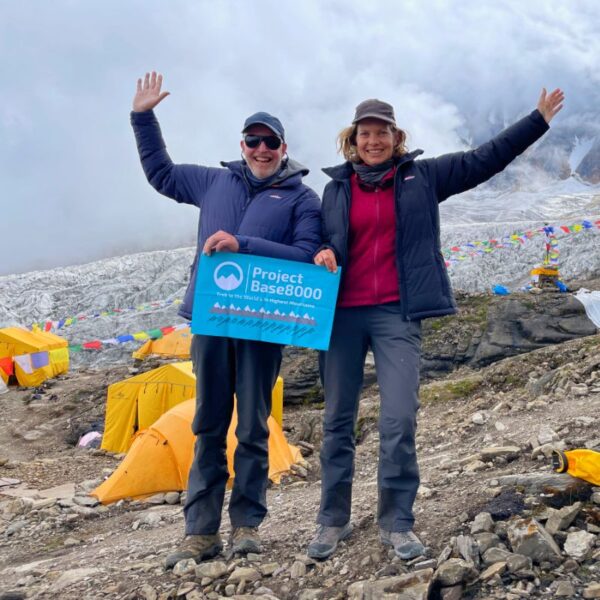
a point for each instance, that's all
(263, 161)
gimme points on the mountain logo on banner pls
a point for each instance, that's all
(228, 276)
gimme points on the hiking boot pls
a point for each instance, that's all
(244, 540)
(198, 547)
(326, 540)
(406, 544)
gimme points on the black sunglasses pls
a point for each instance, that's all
(272, 142)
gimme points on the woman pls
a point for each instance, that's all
(381, 224)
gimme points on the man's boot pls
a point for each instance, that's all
(326, 540)
(244, 540)
(198, 547)
(405, 543)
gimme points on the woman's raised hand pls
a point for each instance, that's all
(550, 104)
(326, 258)
(148, 93)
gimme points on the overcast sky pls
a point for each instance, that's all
(72, 187)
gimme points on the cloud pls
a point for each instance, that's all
(73, 189)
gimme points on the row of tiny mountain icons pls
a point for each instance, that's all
(262, 313)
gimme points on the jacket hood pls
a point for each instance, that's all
(291, 173)
(345, 170)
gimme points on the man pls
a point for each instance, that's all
(258, 205)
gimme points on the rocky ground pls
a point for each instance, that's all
(497, 521)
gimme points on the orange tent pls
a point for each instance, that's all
(160, 457)
(176, 344)
(136, 403)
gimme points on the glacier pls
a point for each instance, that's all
(130, 281)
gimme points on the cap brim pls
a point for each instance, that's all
(262, 123)
(374, 116)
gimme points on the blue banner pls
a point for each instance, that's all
(266, 299)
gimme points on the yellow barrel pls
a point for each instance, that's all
(581, 463)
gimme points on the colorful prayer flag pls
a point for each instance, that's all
(24, 361)
(39, 360)
(6, 364)
(95, 345)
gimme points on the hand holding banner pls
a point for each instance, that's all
(265, 299)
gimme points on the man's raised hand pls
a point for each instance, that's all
(148, 93)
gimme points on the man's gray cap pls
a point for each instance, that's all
(263, 118)
(374, 109)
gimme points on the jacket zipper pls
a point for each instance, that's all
(348, 191)
(376, 245)
(403, 294)
(247, 201)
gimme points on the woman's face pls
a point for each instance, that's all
(375, 141)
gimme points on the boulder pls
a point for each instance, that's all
(482, 522)
(592, 591)
(455, 571)
(486, 540)
(411, 586)
(496, 555)
(507, 452)
(564, 589)
(492, 571)
(524, 323)
(561, 519)
(468, 549)
(579, 544)
(212, 570)
(528, 537)
(247, 574)
(518, 562)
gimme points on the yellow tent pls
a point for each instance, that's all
(28, 350)
(136, 403)
(177, 344)
(161, 456)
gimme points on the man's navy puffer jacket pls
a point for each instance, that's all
(282, 221)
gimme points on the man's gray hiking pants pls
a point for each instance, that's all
(224, 366)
